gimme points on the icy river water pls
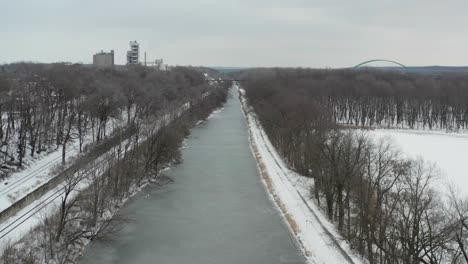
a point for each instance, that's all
(216, 210)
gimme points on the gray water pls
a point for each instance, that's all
(216, 211)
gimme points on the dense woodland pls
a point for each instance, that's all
(161, 120)
(45, 107)
(377, 98)
(384, 205)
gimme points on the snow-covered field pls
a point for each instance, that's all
(315, 235)
(448, 151)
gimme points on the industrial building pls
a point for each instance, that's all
(133, 53)
(156, 64)
(104, 59)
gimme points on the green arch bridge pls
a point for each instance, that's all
(379, 60)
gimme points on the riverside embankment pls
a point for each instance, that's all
(216, 211)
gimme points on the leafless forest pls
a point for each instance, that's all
(46, 106)
(384, 205)
(376, 98)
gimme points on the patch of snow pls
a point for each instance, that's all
(448, 151)
(215, 112)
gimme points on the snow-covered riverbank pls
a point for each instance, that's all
(31, 215)
(315, 235)
(27, 238)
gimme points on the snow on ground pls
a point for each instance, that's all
(21, 183)
(28, 217)
(41, 169)
(316, 236)
(448, 151)
(32, 215)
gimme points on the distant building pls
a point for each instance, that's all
(159, 64)
(133, 53)
(104, 59)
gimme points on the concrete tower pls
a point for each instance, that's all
(133, 53)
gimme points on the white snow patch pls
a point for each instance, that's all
(449, 151)
(215, 112)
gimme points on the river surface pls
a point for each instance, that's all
(216, 210)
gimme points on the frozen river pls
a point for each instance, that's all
(216, 211)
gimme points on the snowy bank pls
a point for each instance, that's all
(315, 235)
(22, 233)
(29, 215)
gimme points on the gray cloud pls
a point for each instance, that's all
(307, 33)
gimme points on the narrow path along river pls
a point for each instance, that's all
(216, 210)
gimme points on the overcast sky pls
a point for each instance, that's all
(307, 33)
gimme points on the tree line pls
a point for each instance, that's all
(44, 107)
(88, 214)
(378, 98)
(386, 206)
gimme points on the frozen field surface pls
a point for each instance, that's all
(449, 151)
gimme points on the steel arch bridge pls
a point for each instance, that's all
(379, 60)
